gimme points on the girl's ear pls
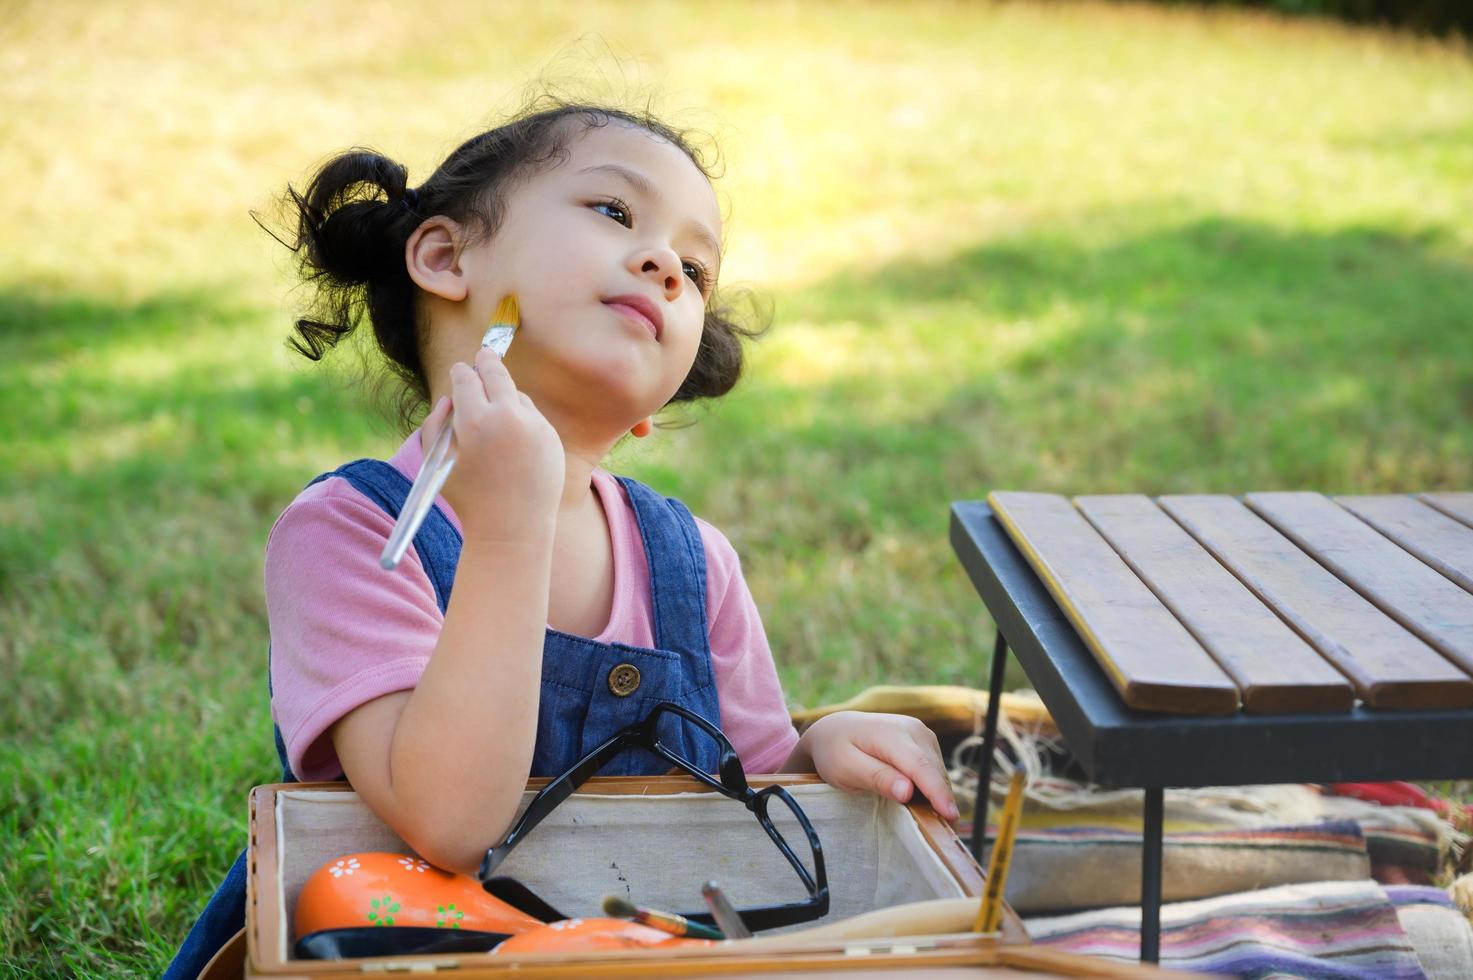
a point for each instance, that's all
(641, 428)
(432, 255)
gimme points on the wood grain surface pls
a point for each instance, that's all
(1400, 584)
(1390, 667)
(1428, 533)
(1274, 669)
(1458, 506)
(1153, 662)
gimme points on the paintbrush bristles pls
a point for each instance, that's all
(504, 326)
(507, 311)
(617, 908)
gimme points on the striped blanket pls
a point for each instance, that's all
(1081, 867)
(1217, 841)
(1336, 929)
(1438, 929)
(1260, 881)
(1402, 845)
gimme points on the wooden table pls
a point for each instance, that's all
(1120, 746)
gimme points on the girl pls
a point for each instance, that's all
(579, 599)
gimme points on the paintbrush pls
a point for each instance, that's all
(676, 925)
(727, 919)
(435, 469)
(989, 914)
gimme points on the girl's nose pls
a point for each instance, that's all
(661, 266)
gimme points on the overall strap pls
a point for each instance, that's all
(677, 563)
(437, 542)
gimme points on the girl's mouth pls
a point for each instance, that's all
(640, 310)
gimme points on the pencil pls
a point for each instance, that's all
(989, 915)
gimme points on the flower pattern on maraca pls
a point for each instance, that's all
(344, 867)
(381, 911)
(382, 889)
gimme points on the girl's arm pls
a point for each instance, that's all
(445, 764)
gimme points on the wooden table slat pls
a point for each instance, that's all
(1117, 746)
(1154, 663)
(1458, 506)
(1426, 532)
(1389, 666)
(1276, 671)
(1400, 585)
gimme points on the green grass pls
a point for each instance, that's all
(1079, 248)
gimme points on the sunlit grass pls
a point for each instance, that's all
(1079, 248)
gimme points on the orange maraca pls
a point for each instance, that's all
(379, 889)
(591, 935)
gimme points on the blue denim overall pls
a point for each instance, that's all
(589, 691)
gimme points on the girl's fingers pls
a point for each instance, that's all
(494, 376)
(930, 777)
(485, 381)
(466, 386)
(921, 764)
(934, 785)
(875, 774)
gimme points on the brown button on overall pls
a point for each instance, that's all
(623, 680)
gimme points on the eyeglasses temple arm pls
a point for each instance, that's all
(547, 800)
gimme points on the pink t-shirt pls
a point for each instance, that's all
(344, 631)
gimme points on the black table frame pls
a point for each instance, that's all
(1118, 747)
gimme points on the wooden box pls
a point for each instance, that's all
(655, 840)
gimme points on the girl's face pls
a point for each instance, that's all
(612, 255)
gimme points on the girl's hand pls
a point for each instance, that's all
(509, 469)
(892, 755)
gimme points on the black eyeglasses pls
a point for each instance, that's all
(731, 784)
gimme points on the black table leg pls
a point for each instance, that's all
(989, 742)
(1151, 877)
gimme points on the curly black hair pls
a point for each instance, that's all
(358, 211)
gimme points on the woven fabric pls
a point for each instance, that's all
(1080, 867)
(1338, 929)
(1079, 844)
(1438, 930)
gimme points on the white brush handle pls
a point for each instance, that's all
(432, 476)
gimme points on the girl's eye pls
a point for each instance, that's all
(613, 209)
(696, 272)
